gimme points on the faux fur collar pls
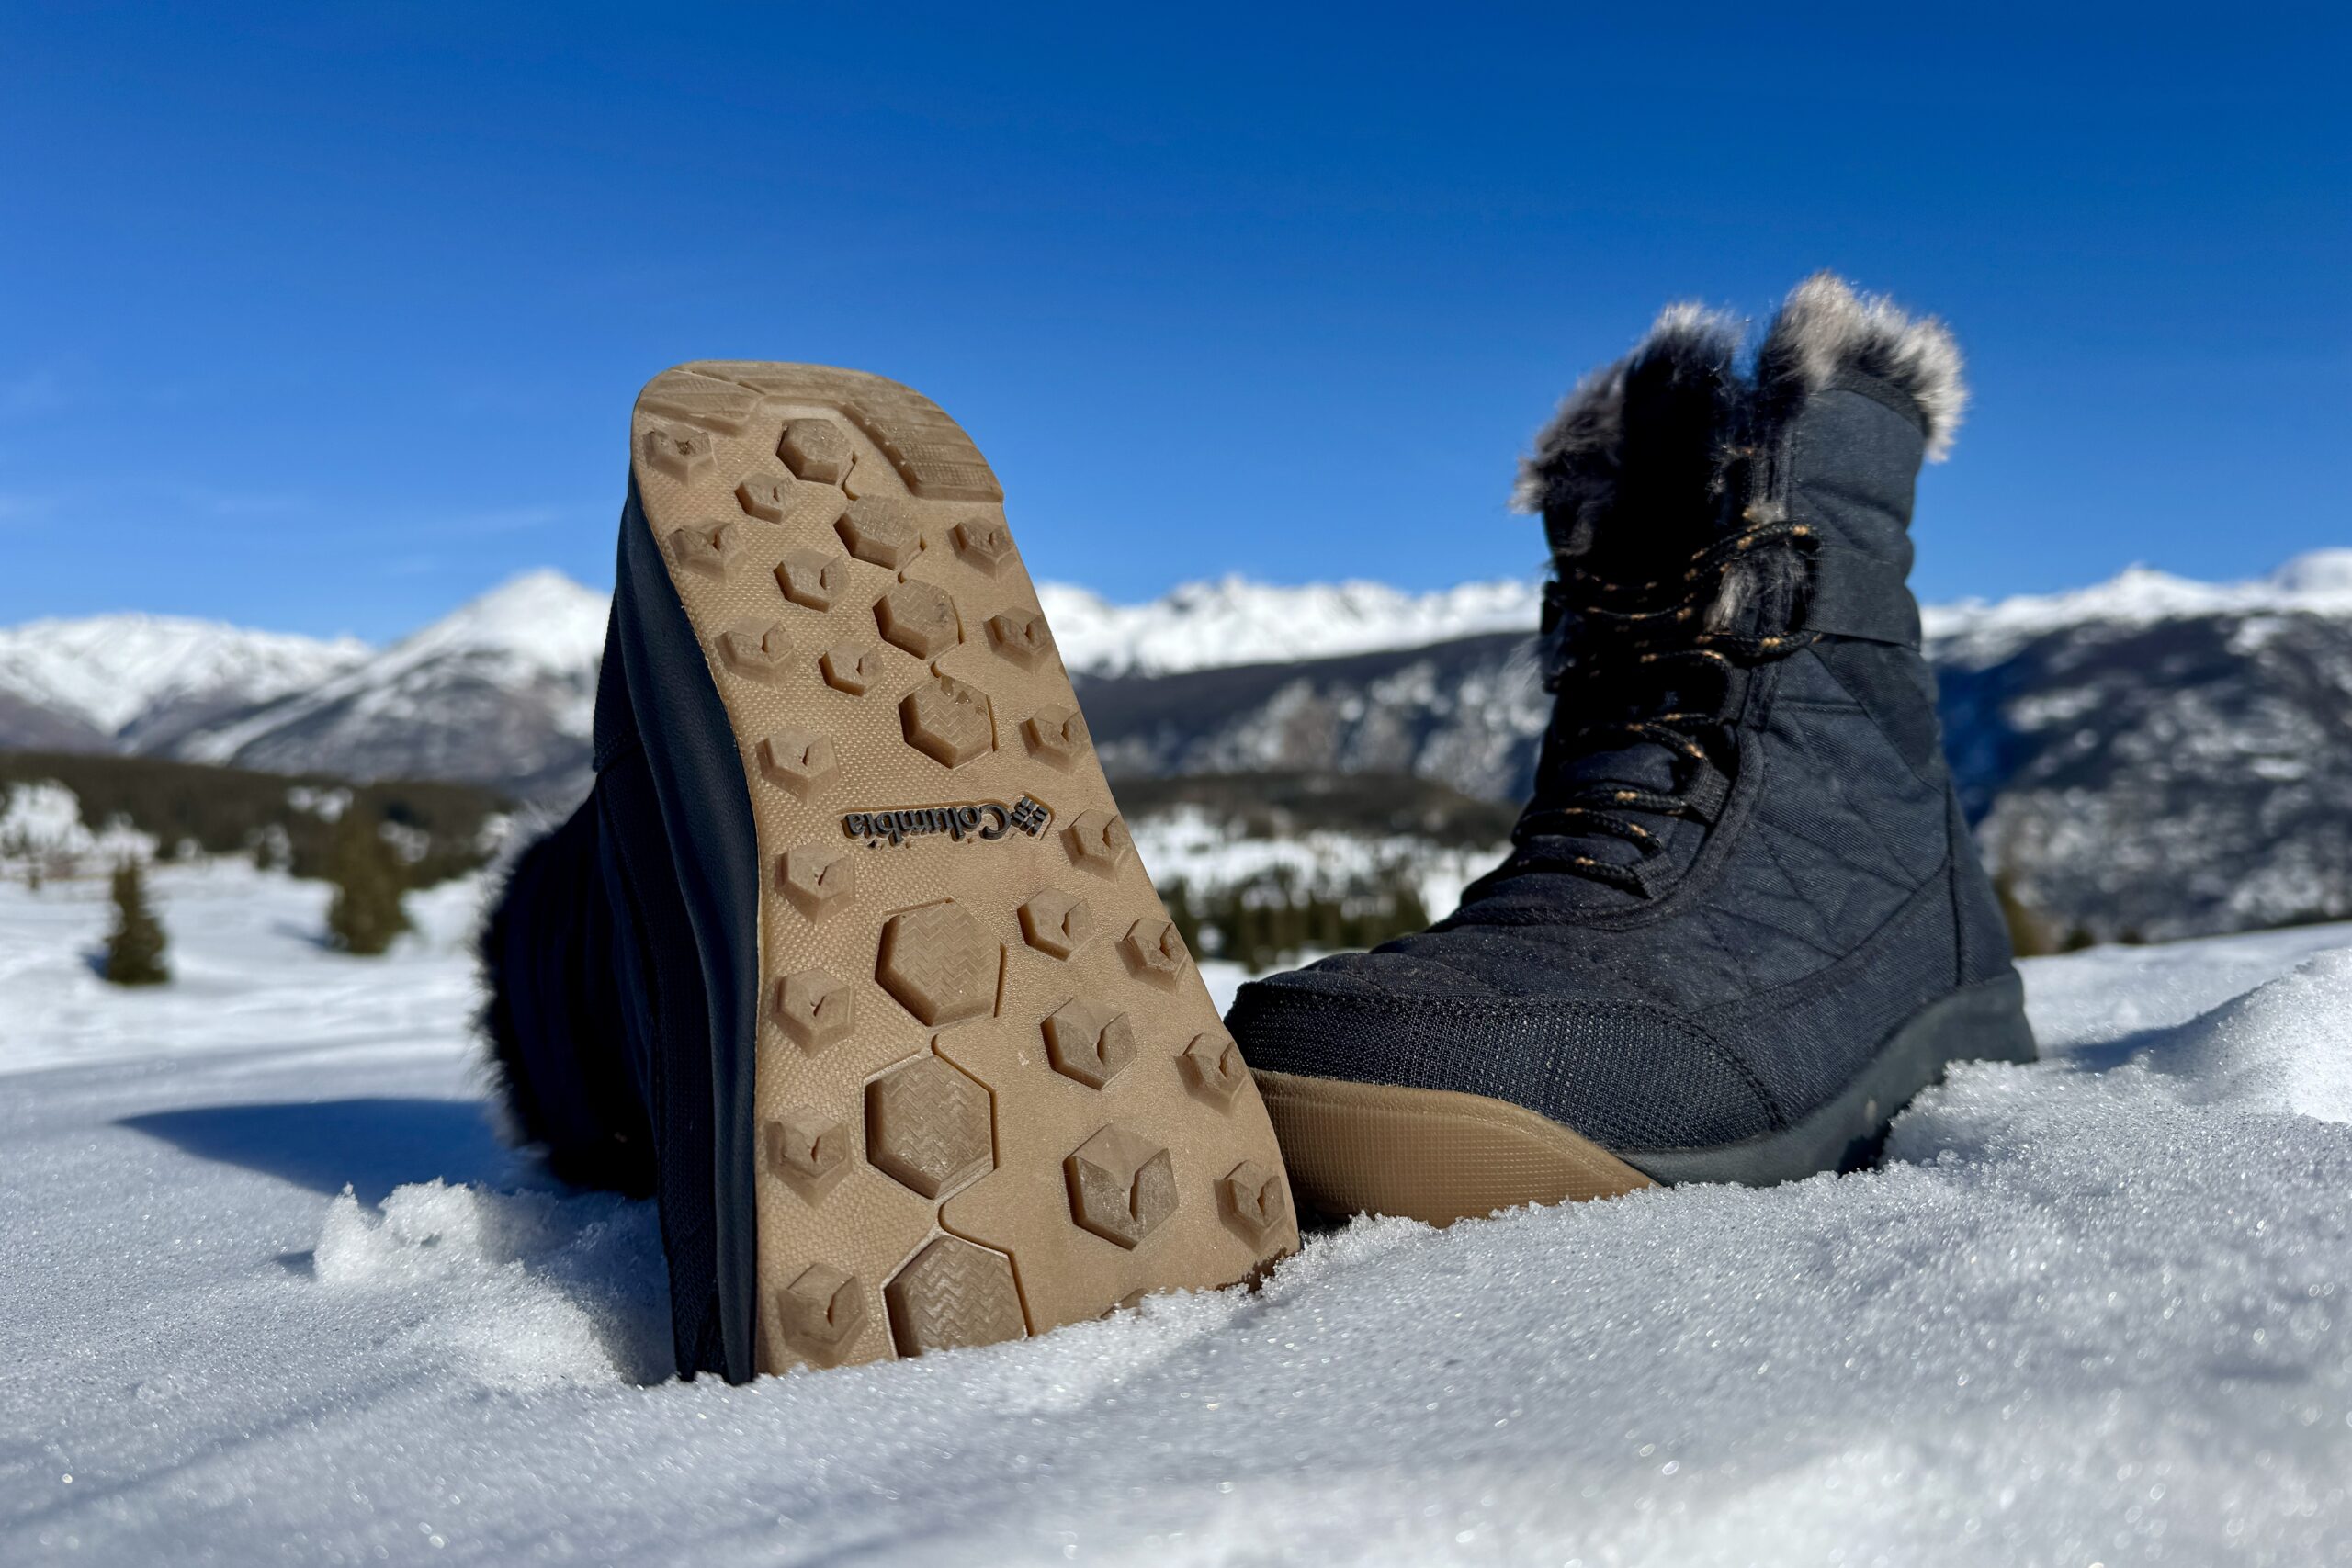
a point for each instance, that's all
(1653, 434)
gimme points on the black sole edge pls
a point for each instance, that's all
(699, 782)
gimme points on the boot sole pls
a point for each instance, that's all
(990, 1094)
(1438, 1155)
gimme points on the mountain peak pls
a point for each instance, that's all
(542, 617)
(2317, 574)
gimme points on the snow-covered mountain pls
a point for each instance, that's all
(1234, 621)
(2150, 755)
(138, 680)
(501, 691)
(1973, 632)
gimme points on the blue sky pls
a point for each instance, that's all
(327, 318)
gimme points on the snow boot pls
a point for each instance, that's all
(848, 959)
(1742, 922)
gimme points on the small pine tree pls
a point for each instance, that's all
(135, 947)
(366, 913)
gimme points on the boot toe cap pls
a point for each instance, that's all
(1628, 1076)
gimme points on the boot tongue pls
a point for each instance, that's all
(1665, 509)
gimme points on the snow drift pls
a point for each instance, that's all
(270, 1291)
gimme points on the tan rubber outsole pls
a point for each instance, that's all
(1432, 1154)
(992, 1095)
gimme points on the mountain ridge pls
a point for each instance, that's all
(2148, 756)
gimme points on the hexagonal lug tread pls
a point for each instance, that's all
(928, 1127)
(1252, 1198)
(1056, 737)
(710, 549)
(821, 1313)
(919, 618)
(1121, 1185)
(953, 1294)
(938, 964)
(800, 760)
(814, 1010)
(1154, 951)
(756, 651)
(812, 579)
(1089, 1041)
(1098, 841)
(815, 450)
(1214, 1070)
(983, 544)
(808, 1152)
(851, 667)
(1057, 923)
(780, 498)
(880, 533)
(1020, 636)
(820, 879)
(677, 451)
(949, 721)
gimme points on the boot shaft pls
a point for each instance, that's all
(1749, 529)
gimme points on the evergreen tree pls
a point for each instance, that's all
(366, 913)
(135, 947)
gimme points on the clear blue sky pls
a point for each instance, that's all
(327, 318)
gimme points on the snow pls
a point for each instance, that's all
(1972, 632)
(1236, 621)
(271, 1291)
(541, 625)
(1210, 856)
(41, 825)
(109, 670)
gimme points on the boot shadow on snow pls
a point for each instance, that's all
(371, 1145)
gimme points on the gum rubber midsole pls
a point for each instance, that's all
(1432, 1155)
(991, 1094)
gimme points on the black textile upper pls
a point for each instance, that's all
(1743, 865)
(604, 952)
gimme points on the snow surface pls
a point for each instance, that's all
(271, 1291)
(109, 670)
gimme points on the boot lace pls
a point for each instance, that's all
(1638, 650)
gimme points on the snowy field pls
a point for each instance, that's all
(270, 1291)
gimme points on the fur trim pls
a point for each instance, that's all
(1765, 582)
(1825, 328)
(537, 849)
(1674, 379)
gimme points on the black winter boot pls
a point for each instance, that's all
(847, 958)
(1742, 922)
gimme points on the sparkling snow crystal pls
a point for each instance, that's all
(271, 1292)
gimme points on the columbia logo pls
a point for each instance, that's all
(986, 820)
